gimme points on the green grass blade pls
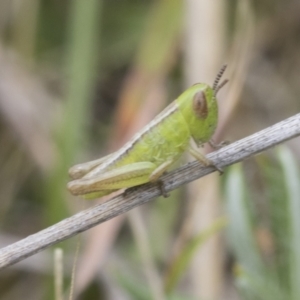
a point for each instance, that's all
(254, 279)
(181, 262)
(240, 229)
(137, 290)
(292, 185)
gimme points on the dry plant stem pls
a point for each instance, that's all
(86, 219)
(202, 59)
(58, 273)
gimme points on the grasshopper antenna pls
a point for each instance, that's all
(216, 85)
(220, 85)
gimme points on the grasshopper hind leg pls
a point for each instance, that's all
(79, 170)
(95, 195)
(127, 176)
(121, 177)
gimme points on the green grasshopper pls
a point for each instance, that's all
(151, 151)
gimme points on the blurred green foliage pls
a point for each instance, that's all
(81, 53)
(266, 248)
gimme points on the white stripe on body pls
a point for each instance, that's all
(170, 109)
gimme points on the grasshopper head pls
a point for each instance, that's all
(199, 107)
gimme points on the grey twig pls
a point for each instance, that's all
(86, 219)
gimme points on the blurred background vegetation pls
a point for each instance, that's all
(78, 78)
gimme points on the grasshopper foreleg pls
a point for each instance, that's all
(202, 159)
(216, 146)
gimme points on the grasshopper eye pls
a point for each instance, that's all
(200, 105)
